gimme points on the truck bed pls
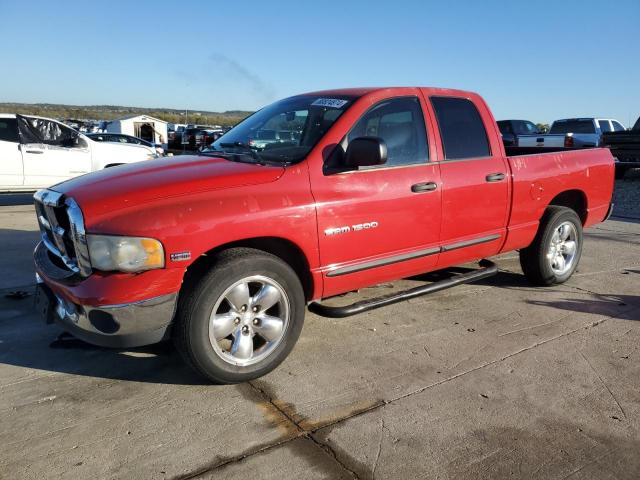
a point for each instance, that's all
(538, 177)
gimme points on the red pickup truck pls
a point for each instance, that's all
(224, 251)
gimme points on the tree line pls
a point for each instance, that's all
(107, 112)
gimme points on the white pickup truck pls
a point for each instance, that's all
(37, 152)
(572, 133)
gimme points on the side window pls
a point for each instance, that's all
(520, 128)
(461, 128)
(617, 127)
(400, 123)
(9, 130)
(604, 125)
(505, 126)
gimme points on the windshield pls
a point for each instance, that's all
(284, 131)
(573, 126)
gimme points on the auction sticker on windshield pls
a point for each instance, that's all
(330, 102)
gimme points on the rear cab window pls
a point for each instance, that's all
(573, 126)
(604, 125)
(525, 128)
(505, 126)
(617, 126)
(461, 128)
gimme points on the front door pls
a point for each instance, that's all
(383, 222)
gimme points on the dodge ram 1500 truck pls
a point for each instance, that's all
(224, 251)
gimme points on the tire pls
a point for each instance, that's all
(238, 281)
(540, 261)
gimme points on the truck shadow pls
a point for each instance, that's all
(615, 306)
(28, 343)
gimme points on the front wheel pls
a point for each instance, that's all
(555, 252)
(242, 319)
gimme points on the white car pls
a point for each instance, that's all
(37, 152)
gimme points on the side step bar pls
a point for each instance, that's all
(488, 269)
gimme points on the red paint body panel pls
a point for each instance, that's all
(196, 204)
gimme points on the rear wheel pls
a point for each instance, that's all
(243, 317)
(555, 252)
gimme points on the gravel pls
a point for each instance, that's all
(626, 196)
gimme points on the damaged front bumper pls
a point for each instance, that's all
(85, 307)
(116, 326)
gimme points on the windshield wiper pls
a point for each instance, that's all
(246, 148)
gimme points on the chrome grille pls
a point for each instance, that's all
(62, 228)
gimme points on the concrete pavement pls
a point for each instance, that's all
(492, 380)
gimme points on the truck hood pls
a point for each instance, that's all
(137, 183)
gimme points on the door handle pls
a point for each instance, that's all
(495, 177)
(39, 152)
(424, 187)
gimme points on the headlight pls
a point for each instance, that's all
(127, 254)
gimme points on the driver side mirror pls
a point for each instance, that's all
(366, 152)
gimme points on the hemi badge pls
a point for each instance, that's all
(180, 256)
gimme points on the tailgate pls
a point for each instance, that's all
(556, 140)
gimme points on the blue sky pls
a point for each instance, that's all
(538, 60)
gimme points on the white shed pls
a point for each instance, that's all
(142, 126)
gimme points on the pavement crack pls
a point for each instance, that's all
(532, 326)
(283, 412)
(498, 360)
(326, 448)
(382, 429)
(604, 384)
(235, 459)
(579, 469)
(305, 433)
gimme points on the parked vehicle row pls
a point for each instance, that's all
(37, 152)
(568, 132)
(512, 130)
(223, 251)
(625, 147)
(587, 132)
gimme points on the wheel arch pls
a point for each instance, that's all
(574, 199)
(286, 250)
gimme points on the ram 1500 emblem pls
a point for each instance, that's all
(353, 228)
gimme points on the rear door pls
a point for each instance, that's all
(11, 174)
(380, 223)
(475, 179)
